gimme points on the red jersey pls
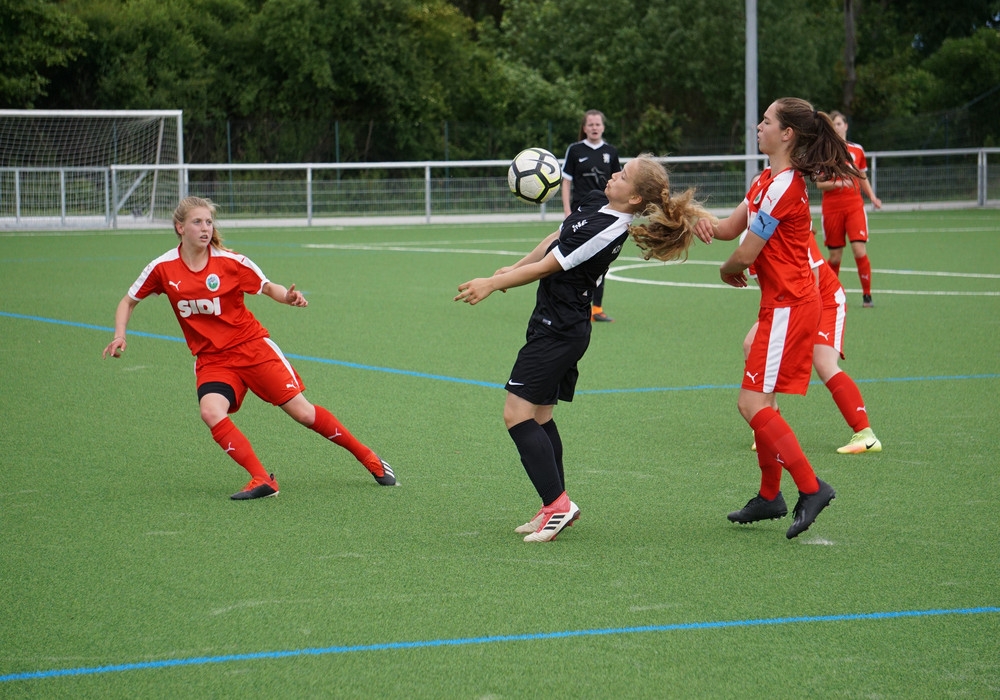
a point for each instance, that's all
(778, 212)
(208, 303)
(829, 283)
(848, 197)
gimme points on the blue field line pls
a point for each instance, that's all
(476, 382)
(494, 639)
(392, 370)
(75, 324)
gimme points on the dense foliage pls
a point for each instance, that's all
(371, 80)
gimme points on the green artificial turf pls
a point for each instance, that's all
(127, 572)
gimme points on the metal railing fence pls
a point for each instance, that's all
(309, 194)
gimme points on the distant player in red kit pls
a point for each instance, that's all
(844, 217)
(205, 284)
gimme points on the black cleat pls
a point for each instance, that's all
(388, 477)
(257, 488)
(759, 508)
(866, 301)
(808, 507)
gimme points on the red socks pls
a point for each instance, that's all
(777, 447)
(327, 425)
(864, 266)
(865, 274)
(847, 396)
(238, 447)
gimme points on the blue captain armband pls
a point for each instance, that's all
(764, 225)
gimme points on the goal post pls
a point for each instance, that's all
(56, 166)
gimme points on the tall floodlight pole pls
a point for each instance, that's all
(750, 89)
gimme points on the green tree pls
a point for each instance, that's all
(918, 67)
(964, 69)
(150, 54)
(36, 36)
(683, 58)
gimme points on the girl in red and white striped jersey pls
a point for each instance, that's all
(799, 142)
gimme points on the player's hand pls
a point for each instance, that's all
(294, 298)
(704, 229)
(115, 348)
(737, 279)
(474, 291)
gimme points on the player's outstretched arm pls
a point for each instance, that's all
(474, 291)
(534, 256)
(122, 315)
(280, 294)
(726, 229)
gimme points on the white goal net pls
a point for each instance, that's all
(55, 166)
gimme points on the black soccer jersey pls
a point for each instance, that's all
(590, 239)
(589, 168)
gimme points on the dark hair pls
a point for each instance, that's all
(819, 152)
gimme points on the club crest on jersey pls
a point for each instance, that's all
(212, 282)
(756, 200)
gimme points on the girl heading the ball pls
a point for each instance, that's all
(568, 265)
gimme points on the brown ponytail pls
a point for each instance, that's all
(819, 152)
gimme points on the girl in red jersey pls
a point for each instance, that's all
(844, 217)
(205, 284)
(798, 141)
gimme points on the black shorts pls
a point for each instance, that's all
(545, 371)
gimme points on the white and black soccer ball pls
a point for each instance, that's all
(534, 175)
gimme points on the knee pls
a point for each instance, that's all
(513, 415)
(826, 368)
(300, 410)
(751, 403)
(509, 419)
(212, 415)
(745, 410)
(306, 418)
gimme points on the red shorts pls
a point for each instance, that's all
(831, 323)
(844, 225)
(781, 354)
(257, 365)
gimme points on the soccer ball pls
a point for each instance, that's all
(534, 175)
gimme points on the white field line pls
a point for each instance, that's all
(613, 275)
(614, 272)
